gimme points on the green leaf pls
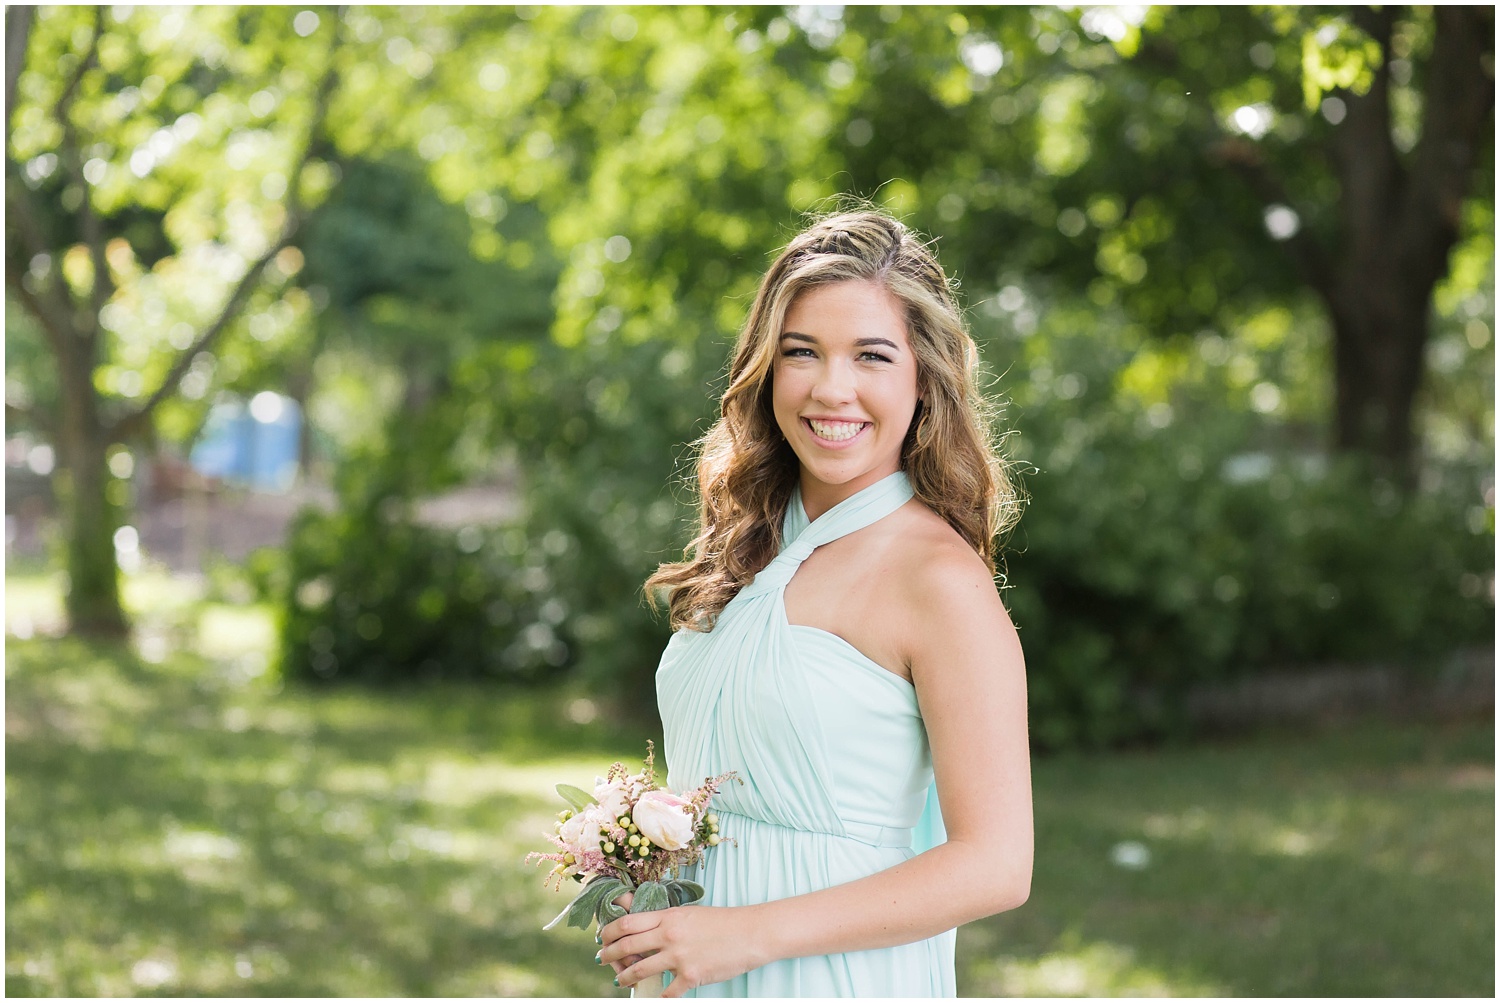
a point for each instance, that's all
(650, 897)
(609, 911)
(691, 891)
(577, 799)
(580, 912)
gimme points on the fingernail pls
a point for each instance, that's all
(599, 958)
(617, 982)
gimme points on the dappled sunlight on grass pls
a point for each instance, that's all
(181, 824)
(178, 826)
(1096, 969)
(235, 631)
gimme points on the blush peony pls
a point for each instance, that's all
(583, 832)
(665, 819)
(613, 797)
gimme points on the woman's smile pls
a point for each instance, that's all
(837, 433)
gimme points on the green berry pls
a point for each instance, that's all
(624, 821)
(713, 839)
(609, 848)
(632, 827)
(635, 841)
(712, 819)
(645, 850)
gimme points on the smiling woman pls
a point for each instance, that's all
(840, 644)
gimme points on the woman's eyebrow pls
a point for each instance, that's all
(859, 343)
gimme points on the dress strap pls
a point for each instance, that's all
(801, 537)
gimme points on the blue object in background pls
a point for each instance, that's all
(255, 446)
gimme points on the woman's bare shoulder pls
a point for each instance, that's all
(933, 556)
(947, 590)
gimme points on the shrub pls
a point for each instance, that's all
(1166, 546)
(369, 595)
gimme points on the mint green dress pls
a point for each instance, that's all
(837, 769)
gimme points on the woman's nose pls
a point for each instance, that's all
(835, 385)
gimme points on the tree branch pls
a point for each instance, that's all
(1458, 102)
(1369, 168)
(1244, 156)
(93, 235)
(18, 20)
(131, 423)
(64, 103)
(51, 306)
(56, 325)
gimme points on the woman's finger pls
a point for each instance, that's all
(635, 945)
(654, 964)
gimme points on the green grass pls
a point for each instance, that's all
(1357, 862)
(177, 824)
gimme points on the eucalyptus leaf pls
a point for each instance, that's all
(577, 799)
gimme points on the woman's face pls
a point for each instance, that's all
(844, 388)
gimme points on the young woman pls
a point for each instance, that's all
(840, 643)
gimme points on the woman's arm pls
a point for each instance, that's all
(970, 677)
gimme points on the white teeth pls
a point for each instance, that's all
(837, 431)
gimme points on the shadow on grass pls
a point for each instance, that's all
(169, 832)
(177, 827)
(1358, 862)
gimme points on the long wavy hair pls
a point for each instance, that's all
(746, 468)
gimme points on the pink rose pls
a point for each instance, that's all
(665, 819)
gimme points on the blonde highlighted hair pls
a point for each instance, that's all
(746, 469)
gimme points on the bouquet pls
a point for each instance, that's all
(630, 836)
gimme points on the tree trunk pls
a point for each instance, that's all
(1380, 331)
(90, 520)
(1400, 219)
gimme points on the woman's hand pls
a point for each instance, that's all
(619, 966)
(698, 944)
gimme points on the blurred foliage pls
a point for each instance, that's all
(1168, 543)
(538, 229)
(1184, 526)
(422, 605)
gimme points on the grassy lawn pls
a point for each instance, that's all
(177, 824)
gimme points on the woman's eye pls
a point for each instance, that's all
(875, 356)
(796, 352)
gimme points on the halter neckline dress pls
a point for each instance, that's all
(834, 755)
